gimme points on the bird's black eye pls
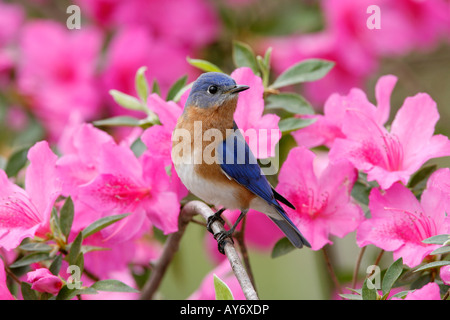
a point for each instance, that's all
(212, 89)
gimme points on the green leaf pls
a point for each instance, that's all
(360, 193)
(36, 246)
(305, 71)
(66, 217)
(31, 258)
(54, 225)
(439, 239)
(75, 249)
(223, 292)
(441, 250)
(243, 56)
(66, 294)
(122, 121)
(291, 124)
(127, 101)
(101, 224)
(368, 291)
(141, 84)
(27, 292)
(432, 265)
(203, 65)
(282, 247)
(422, 175)
(393, 272)
(176, 87)
(401, 294)
(350, 296)
(56, 265)
(16, 162)
(155, 88)
(112, 286)
(267, 57)
(182, 91)
(291, 102)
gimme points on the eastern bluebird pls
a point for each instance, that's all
(233, 179)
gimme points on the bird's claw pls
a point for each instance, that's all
(215, 217)
(222, 238)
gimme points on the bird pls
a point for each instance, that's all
(228, 176)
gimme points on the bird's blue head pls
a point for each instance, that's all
(213, 89)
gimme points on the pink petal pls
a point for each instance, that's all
(4, 291)
(41, 182)
(167, 111)
(430, 291)
(163, 210)
(19, 218)
(414, 123)
(383, 91)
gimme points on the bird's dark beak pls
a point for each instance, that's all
(238, 89)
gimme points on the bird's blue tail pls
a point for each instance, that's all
(289, 229)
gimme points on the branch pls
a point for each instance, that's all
(171, 247)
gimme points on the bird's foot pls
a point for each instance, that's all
(222, 238)
(215, 217)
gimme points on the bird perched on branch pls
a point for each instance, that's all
(215, 163)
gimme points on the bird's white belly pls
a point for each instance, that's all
(217, 194)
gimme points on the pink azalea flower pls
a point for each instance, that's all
(440, 181)
(158, 138)
(322, 199)
(120, 255)
(23, 213)
(399, 222)
(349, 71)
(134, 47)
(430, 291)
(249, 115)
(55, 87)
(191, 23)
(390, 156)
(206, 290)
(328, 126)
(404, 26)
(11, 19)
(4, 291)
(43, 280)
(126, 184)
(444, 273)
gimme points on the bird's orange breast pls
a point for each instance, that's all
(199, 122)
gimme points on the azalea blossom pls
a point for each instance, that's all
(132, 48)
(54, 87)
(24, 213)
(390, 156)
(444, 273)
(5, 294)
(349, 71)
(249, 115)
(400, 223)
(430, 291)
(43, 280)
(328, 126)
(189, 23)
(322, 199)
(126, 184)
(440, 181)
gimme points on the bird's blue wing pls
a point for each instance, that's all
(238, 162)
